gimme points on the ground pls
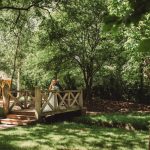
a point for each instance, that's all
(86, 133)
(71, 136)
(108, 106)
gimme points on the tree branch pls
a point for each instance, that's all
(35, 4)
(16, 8)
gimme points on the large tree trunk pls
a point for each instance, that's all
(88, 92)
(88, 79)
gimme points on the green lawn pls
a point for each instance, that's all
(133, 120)
(71, 136)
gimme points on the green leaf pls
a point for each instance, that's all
(145, 46)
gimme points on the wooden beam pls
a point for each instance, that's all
(5, 95)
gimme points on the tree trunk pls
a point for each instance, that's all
(15, 60)
(88, 93)
(88, 79)
(88, 88)
(18, 82)
(141, 94)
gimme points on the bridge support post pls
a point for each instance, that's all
(5, 91)
(38, 101)
(83, 109)
(55, 101)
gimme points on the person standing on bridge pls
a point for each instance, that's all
(51, 99)
(53, 86)
(59, 85)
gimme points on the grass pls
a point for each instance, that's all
(71, 136)
(133, 120)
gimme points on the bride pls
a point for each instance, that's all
(53, 87)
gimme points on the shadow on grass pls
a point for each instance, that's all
(71, 136)
(129, 121)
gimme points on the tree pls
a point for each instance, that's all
(78, 33)
(129, 11)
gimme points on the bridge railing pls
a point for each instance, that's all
(42, 101)
(23, 99)
(57, 101)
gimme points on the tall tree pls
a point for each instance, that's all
(78, 32)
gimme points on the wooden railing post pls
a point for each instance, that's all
(69, 99)
(83, 109)
(55, 100)
(38, 102)
(5, 95)
(81, 98)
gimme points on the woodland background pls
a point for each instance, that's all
(102, 46)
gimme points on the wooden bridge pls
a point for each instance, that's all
(25, 107)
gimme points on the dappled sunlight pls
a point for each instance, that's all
(102, 117)
(25, 144)
(71, 136)
(74, 74)
(128, 121)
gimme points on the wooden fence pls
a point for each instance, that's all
(43, 102)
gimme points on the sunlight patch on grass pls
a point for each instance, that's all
(71, 136)
(26, 144)
(129, 121)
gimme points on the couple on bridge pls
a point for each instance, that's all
(54, 86)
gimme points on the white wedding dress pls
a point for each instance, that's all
(51, 100)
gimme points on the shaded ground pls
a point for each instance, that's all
(71, 136)
(62, 135)
(128, 121)
(109, 106)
